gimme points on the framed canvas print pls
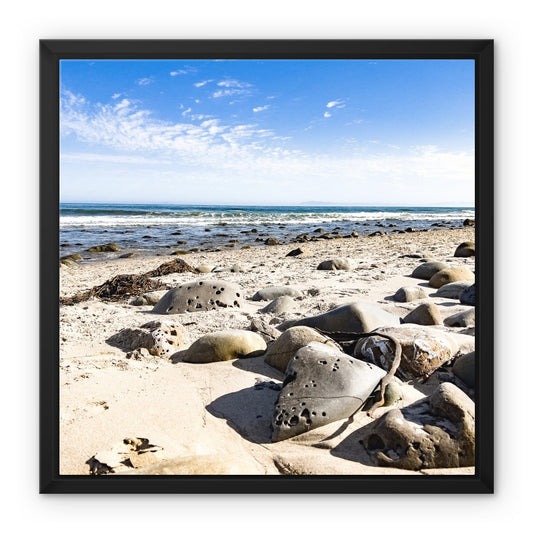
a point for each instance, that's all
(266, 266)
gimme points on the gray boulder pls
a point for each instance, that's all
(408, 294)
(284, 348)
(271, 293)
(323, 385)
(437, 432)
(280, 305)
(427, 270)
(453, 290)
(224, 346)
(261, 326)
(199, 296)
(465, 319)
(336, 264)
(468, 296)
(465, 249)
(357, 317)
(464, 368)
(424, 349)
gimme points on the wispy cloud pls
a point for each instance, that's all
(327, 114)
(116, 95)
(145, 81)
(335, 103)
(233, 83)
(260, 108)
(180, 72)
(202, 83)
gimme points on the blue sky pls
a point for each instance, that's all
(381, 132)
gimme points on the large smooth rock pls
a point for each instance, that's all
(450, 275)
(336, 264)
(280, 305)
(261, 326)
(465, 319)
(424, 349)
(199, 296)
(284, 348)
(271, 293)
(468, 296)
(437, 432)
(453, 290)
(408, 294)
(464, 368)
(465, 249)
(427, 270)
(357, 317)
(225, 345)
(322, 385)
(426, 314)
(160, 338)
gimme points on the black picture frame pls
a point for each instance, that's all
(52, 51)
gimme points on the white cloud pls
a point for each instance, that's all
(202, 83)
(116, 95)
(335, 103)
(145, 81)
(178, 72)
(233, 83)
(225, 153)
(261, 108)
(327, 114)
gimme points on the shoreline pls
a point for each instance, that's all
(107, 397)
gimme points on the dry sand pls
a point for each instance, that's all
(215, 417)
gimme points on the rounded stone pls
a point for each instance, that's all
(464, 319)
(357, 317)
(109, 247)
(465, 249)
(336, 264)
(202, 295)
(393, 393)
(299, 252)
(453, 290)
(426, 314)
(280, 305)
(284, 348)
(464, 368)
(424, 349)
(449, 275)
(468, 296)
(271, 293)
(408, 294)
(224, 346)
(427, 270)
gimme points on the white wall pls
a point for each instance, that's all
(21, 27)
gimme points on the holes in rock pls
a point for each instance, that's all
(214, 286)
(236, 303)
(416, 445)
(238, 295)
(375, 442)
(322, 362)
(170, 308)
(221, 288)
(294, 420)
(198, 306)
(323, 413)
(305, 414)
(200, 283)
(302, 404)
(174, 332)
(189, 302)
(218, 292)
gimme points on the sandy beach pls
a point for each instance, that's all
(139, 413)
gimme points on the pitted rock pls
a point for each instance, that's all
(322, 385)
(424, 349)
(160, 338)
(202, 295)
(436, 432)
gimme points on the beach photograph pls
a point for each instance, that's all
(267, 267)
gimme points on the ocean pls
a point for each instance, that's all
(151, 229)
